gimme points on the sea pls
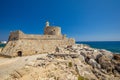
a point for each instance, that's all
(113, 46)
(2, 45)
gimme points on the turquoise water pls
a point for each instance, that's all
(2, 45)
(113, 46)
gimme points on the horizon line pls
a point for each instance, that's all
(98, 41)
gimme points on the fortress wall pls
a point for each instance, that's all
(15, 35)
(25, 44)
(9, 48)
(30, 47)
(41, 37)
(20, 35)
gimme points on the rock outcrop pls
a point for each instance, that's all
(77, 62)
(0, 49)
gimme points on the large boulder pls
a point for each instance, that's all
(106, 63)
(84, 53)
(74, 47)
(107, 53)
(117, 67)
(116, 62)
(116, 57)
(96, 54)
(94, 64)
(81, 58)
(59, 49)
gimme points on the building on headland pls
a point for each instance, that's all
(3, 42)
(20, 44)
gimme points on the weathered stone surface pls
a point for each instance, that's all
(90, 63)
(116, 57)
(116, 73)
(107, 53)
(64, 55)
(96, 54)
(106, 63)
(117, 67)
(0, 49)
(94, 64)
(82, 58)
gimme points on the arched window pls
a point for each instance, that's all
(19, 53)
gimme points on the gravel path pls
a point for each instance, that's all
(8, 65)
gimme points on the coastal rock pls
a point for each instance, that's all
(82, 59)
(20, 73)
(59, 49)
(97, 54)
(116, 62)
(0, 49)
(94, 64)
(107, 53)
(116, 73)
(81, 46)
(118, 67)
(31, 63)
(106, 63)
(74, 47)
(99, 75)
(83, 53)
(72, 63)
(64, 55)
(117, 57)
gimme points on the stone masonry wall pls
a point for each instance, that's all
(20, 35)
(30, 47)
(41, 37)
(52, 30)
(23, 44)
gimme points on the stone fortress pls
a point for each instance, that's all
(20, 44)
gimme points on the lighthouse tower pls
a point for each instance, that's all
(47, 23)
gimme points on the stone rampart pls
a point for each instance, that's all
(16, 35)
(30, 47)
(20, 44)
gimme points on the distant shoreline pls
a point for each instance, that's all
(97, 41)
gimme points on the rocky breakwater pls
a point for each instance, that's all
(76, 62)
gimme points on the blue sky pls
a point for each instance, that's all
(84, 20)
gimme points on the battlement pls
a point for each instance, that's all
(50, 33)
(18, 35)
